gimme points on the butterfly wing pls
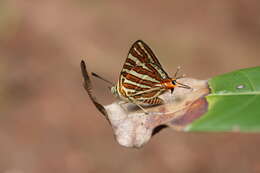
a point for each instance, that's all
(141, 73)
(140, 55)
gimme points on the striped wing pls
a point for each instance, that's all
(142, 73)
(140, 55)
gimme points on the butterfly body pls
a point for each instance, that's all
(142, 79)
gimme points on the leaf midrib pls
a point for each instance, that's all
(253, 93)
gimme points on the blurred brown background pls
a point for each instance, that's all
(48, 123)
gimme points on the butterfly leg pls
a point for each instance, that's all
(153, 101)
(121, 103)
(135, 102)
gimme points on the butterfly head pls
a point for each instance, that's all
(172, 83)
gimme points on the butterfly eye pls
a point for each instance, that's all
(174, 82)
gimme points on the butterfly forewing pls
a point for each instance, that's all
(141, 75)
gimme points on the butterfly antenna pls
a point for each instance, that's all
(177, 71)
(99, 77)
(182, 76)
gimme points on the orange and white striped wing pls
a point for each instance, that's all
(141, 75)
(142, 56)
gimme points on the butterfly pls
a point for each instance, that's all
(142, 79)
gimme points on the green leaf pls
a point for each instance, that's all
(234, 103)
